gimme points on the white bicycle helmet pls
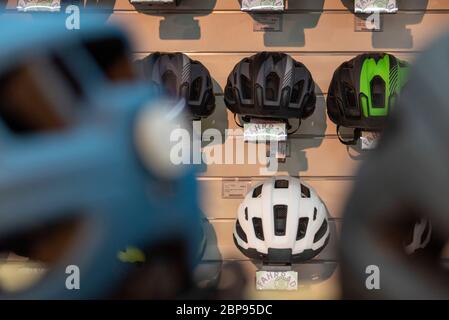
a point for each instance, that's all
(281, 221)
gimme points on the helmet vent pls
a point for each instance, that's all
(297, 89)
(351, 100)
(272, 87)
(302, 228)
(378, 92)
(246, 87)
(280, 219)
(195, 89)
(315, 211)
(305, 192)
(257, 191)
(258, 228)
(169, 82)
(240, 232)
(246, 213)
(281, 184)
(321, 231)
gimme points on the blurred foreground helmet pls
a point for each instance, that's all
(81, 184)
(403, 181)
(363, 91)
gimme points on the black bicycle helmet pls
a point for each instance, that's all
(363, 91)
(270, 85)
(181, 77)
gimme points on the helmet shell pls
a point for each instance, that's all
(282, 220)
(181, 77)
(271, 85)
(364, 89)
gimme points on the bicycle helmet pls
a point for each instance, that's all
(281, 220)
(80, 185)
(363, 92)
(181, 77)
(403, 181)
(270, 85)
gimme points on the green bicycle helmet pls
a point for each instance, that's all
(363, 91)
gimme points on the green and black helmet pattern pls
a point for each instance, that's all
(364, 90)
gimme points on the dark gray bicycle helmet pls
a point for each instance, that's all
(270, 85)
(181, 77)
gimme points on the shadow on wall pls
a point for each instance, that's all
(395, 33)
(219, 119)
(293, 26)
(178, 26)
(310, 135)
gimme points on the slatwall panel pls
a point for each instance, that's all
(320, 33)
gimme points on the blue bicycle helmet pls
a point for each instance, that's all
(74, 162)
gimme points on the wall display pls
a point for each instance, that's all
(271, 67)
(262, 5)
(363, 92)
(39, 5)
(281, 221)
(182, 78)
(370, 6)
(270, 85)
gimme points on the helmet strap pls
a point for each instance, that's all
(351, 142)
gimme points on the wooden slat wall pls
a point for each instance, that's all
(320, 33)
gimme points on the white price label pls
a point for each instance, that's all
(265, 132)
(369, 140)
(262, 5)
(371, 6)
(39, 5)
(278, 281)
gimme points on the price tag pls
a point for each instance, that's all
(39, 5)
(265, 131)
(369, 139)
(262, 5)
(371, 6)
(278, 281)
(235, 189)
(267, 23)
